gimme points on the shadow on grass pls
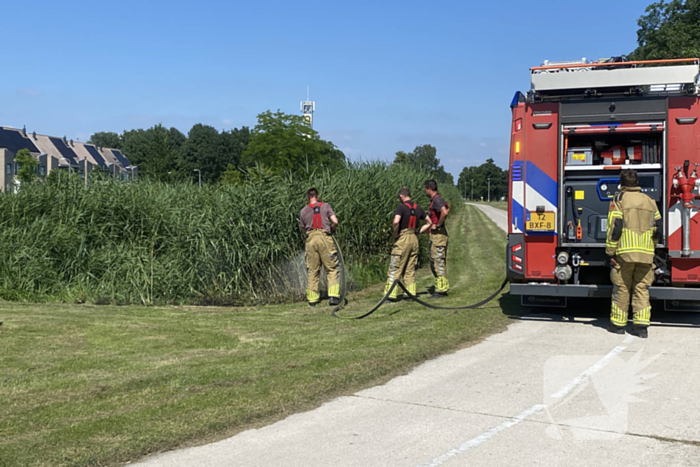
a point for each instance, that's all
(591, 312)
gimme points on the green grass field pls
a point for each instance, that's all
(103, 385)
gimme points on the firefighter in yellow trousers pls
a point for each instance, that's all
(634, 228)
(438, 238)
(404, 255)
(318, 221)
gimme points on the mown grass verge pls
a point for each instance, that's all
(103, 385)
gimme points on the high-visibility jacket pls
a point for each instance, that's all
(634, 226)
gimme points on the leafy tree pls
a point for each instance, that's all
(106, 139)
(212, 152)
(177, 139)
(155, 150)
(403, 158)
(200, 151)
(425, 157)
(669, 30)
(167, 154)
(480, 176)
(27, 166)
(232, 145)
(285, 143)
(464, 181)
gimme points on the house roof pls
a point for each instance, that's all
(13, 140)
(68, 152)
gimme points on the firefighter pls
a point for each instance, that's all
(634, 228)
(438, 238)
(318, 221)
(404, 255)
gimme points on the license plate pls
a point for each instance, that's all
(540, 222)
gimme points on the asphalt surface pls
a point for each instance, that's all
(554, 389)
(498, 216)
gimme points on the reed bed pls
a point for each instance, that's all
(156, 243)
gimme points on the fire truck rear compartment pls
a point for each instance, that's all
(587, 189)
(580, 125)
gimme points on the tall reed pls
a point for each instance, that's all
(150, 242)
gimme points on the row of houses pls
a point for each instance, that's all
(54, 153)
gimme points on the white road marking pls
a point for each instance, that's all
(586, 374)
(485, 436)
(474, 442)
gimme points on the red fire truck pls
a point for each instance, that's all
(580, 124)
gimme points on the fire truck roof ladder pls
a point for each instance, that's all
(666, 76)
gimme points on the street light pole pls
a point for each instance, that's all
(84, 163)
(489, 196)
(200, 177)
(472, 198)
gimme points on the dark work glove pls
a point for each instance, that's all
(610, 261)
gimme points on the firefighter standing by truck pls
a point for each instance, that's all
(318, 221)
(634, 228)
(438, 238)
(404, 255)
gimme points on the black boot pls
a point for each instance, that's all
(616, 329)
(333, 301)
(313, 304)
(640, 331)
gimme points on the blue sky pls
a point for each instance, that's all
(386, 76)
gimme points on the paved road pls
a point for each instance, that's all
(498, 216)
(550, 390)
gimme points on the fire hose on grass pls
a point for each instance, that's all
(397, 283)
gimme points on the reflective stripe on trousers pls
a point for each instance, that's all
(631, 283)
(438, 261)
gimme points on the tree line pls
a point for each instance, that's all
(473, 182)
(278, 143)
